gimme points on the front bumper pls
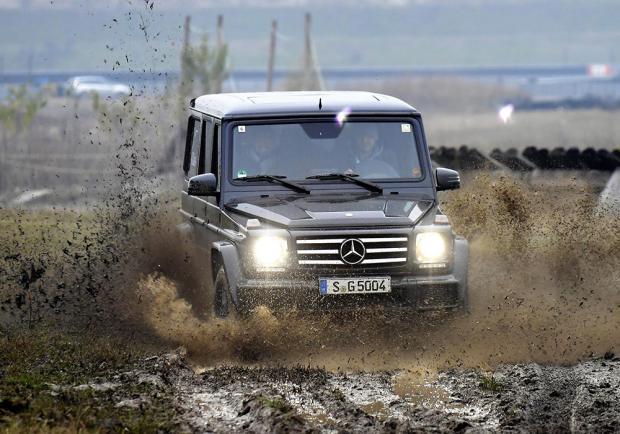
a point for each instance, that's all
(423, 293)
(285, 291)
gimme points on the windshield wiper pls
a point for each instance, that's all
(351, 177)
(279, 179)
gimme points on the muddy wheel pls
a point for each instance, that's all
(223, 306)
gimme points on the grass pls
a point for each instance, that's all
(39, 253)
(38, 374)
(73, 145)
(41, 231)
(40, 364)
(490, 383)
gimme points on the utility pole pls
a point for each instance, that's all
(185, 88)
(186, 30)
(185, 72)
(307, 73)
(272, 55)
(220, 31)
(216, 82)
(311, 76)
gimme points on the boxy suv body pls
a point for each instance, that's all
(319, 200)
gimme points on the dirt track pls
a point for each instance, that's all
(536, 299)
(515, 362)
(530, 398)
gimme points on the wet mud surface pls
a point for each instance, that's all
(535, 352)
(525, 397)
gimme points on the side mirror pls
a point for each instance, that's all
(202, 185)
(447, 179)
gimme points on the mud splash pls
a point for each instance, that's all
(543, 288)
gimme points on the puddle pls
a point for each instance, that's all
(318, 419)
(377, 409)
(420, 391)
(305, 404)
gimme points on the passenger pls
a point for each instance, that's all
(369, 156)
(258, 152)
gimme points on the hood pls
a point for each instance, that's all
(332, 210)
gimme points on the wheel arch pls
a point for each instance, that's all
(216, 262)
(224, 253)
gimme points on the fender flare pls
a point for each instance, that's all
(226, 253)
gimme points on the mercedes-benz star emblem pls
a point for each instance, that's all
(352, 251)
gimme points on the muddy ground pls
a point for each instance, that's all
(535, 352)
(584, 397)
(524, 397)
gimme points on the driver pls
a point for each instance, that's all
(369, 155)
(257, 155)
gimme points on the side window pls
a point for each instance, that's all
(194, 162)
(191, 125)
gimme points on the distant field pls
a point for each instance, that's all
(550, 129)
(69, 147)
(71, 144)
(463, 112)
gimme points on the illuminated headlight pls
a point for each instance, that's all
(270, 252)
(431, 247)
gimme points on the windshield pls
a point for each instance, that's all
(375, 150)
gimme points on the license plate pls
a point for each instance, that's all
(375, 285)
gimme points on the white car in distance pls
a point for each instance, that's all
(93, 84)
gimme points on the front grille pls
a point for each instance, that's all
(383, 249)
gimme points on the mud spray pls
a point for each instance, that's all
(544, 287)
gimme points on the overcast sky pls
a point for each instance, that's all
(194, 4)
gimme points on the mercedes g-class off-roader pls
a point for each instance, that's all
(319, 200)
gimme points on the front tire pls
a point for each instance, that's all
(222, 300)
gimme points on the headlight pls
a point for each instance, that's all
(431, 247)
(270, 252)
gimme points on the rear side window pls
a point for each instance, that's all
(211, 140)
(191, 124)
(193, 163)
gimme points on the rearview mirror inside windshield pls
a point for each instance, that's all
(322, 130)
